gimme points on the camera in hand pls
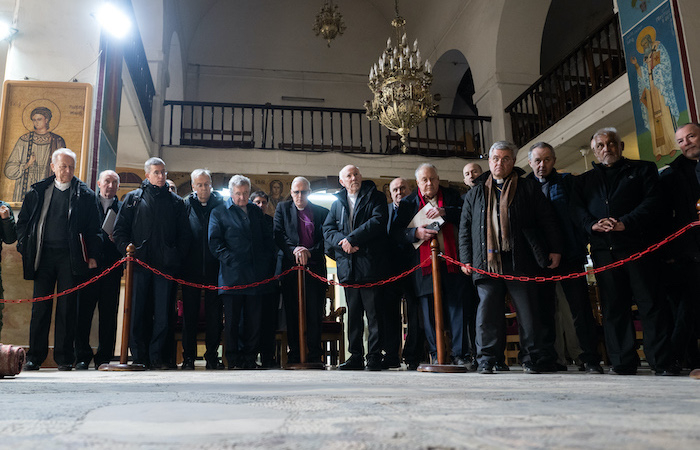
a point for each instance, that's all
(433, 226)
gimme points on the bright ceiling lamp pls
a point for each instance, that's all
(113, 20)
(6, 31)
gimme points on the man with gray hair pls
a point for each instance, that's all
(557, 188)
(507, 227)
(58, 232)
(618, 204)
(104, 293)
(241, 239)
(155, 221)
(299, 234)
(444, 207)
(201, 266)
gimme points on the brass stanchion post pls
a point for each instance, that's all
(126, 321)
(303, 349)
(442, 353)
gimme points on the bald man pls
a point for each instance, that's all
(471, 172)
(355, 233)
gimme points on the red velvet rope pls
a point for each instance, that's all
(425, 262)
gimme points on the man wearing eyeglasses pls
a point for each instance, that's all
(508, 227)
(298, 232)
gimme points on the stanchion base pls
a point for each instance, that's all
(306, 366)
(122, 367)
(442, 368)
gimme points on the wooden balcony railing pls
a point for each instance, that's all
(590, 67)
(270, 127)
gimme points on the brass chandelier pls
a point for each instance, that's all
(329, 22)
(401, 83)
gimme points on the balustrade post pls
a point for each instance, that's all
(303, 348)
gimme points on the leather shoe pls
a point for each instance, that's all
(65, 367)
(485, 369)
(188, 364)
(374, 365)
(412, 366)
(471, 365)
(501, 367)
(31, 365)
(623, 371)
(215, 364)
(457, 361)
(388, 363)
(592, 368)
(668, 372)
(82, 365)
(528, 367)
(353, 363)
(561, 367)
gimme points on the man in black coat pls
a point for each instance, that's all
(298, 232)
(155, 221)
(59, 238)
(444, 205)
(681, 192)
(557, 188)
(618, 204)
(355, 234)
(104, 293)
(507, 227)
(201, 267)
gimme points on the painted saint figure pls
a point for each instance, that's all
(655, 84)
(30, 159)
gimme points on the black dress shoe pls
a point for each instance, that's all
(412, 366)
(388, 363)
(458, 361)
(30, 365)
(592, 368)
(65, 367)
(672, 371)
(374, 365)
(620, 370)
(485, 369)
(188, 364)
(501, 367)
(561, 367)
(158, 365)
(352, 364)
(82, 365)
(530, 368)
(215, 364)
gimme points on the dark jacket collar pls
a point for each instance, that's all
(366, 187)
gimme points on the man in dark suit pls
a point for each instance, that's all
(241, 238)
(618, 204)
(298, 232)
(444, 206)
(104, 293)
(401, 258)
(58, 235)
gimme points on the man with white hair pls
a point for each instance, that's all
(58, 231)
(155, 221)
(298, 232)
(618, 204)
(444, 204)
(241, 239)
(355, 233)
(104, 293)
(201, 266)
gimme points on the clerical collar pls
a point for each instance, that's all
(499, 180)
(61, 186)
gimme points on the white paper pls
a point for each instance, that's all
(421, 218)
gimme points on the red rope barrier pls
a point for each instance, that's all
(423, 263)
(612, 265)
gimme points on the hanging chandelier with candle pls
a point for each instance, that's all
(400, 81)
(329, 22)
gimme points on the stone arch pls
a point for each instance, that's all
(454, 82)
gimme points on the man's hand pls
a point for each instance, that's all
(555, 259)
(92, 263)
(347, 246)
(608, 224)
(4, 212)
(466, 270)
(434, 212)
(302, 255)
(425, 234)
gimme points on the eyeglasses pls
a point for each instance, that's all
(300, 192)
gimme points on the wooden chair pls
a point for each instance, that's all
(512, 339)
(333, 331)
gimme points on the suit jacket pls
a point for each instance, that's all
(286, 233)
